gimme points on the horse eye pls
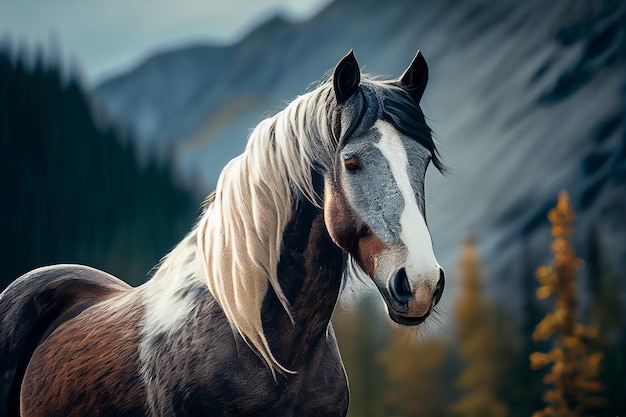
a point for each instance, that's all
(351, 163)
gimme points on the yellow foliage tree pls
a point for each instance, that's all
(574, 370)
(414, 370)
(361, 332)
(485, 344)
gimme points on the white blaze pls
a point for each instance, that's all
(421, 261)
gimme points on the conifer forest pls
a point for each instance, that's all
(73, 189)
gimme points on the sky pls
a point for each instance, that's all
(104, 37)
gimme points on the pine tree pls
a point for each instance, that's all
(485, 344)
(71, 189)
(606, 314)
(573, 369)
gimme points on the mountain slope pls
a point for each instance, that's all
(527, 99)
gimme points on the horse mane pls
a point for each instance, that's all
(239, 234)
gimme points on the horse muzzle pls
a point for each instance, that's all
(410, 301)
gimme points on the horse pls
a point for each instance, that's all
(236, 319)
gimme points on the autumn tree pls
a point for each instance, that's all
(361, 332)
(486, 344)
(414, 371)
(573, 369)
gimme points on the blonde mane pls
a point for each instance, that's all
(240, 233)
(238, 239)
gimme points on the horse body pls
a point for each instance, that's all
(90, 366)
(87, 365)
(236, 320)
(107, 360)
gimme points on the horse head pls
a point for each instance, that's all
(374, 205)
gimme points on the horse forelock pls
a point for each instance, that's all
(404, 114)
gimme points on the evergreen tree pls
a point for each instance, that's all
(71, 189)
(606, 314)
(574, 369)
(486, 345)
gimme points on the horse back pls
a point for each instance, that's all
(32, 307)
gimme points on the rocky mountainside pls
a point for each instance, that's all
(526, 98)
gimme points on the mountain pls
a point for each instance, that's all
(526, 98)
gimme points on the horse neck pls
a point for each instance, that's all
(310, 274)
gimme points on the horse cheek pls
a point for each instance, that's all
(370, 248)
(341, 221)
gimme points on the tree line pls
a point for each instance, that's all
(72, 188)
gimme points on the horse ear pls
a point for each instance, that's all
(346, 77)
(415, 77)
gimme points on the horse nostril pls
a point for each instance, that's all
(400, 288)
(440, 285)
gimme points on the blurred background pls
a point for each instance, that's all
(117, 117)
